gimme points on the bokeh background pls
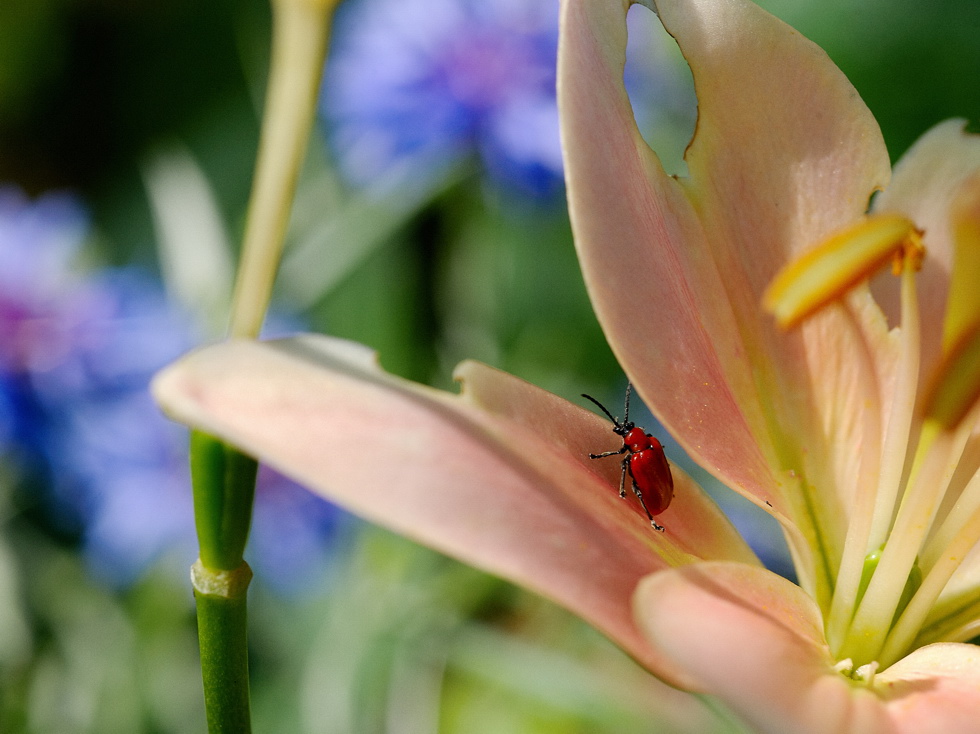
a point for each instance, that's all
(430, 225)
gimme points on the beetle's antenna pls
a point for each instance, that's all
(629, 389)
(602, 408)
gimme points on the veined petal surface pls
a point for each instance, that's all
(784, 154)
(509, 490)
(934, 689)
(640, 242)
(755, 640)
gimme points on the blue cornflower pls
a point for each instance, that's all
(118, 467)
(432, 81)
(77, 351)
(41, 306)
(414, 87)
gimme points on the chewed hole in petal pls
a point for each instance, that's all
(661, 89)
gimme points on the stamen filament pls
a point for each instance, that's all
(869, 525)
(951, 620)
(960, 517)
(905, 630)
(897, 439)
(938, 454)
(931, 471)
(949, 402)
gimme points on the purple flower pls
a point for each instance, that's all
(41, 305)
(119, 469)
(436, 80)
(415, 86)
(77, 351)
(290, 543)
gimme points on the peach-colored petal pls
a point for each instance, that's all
(641, 247)
(934, 690)
(754, 640)
(695, 523)
(925, 185)
(481, 487)
(784, 154)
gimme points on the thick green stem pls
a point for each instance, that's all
(224, 485)
(222, 629)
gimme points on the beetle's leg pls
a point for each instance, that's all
(622, 478)
(609, 453)
(639, 495)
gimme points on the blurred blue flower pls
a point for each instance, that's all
(429, 82)
(413, 87)
(76, 356)
(287, 545)
(118, 467)
(41, 305)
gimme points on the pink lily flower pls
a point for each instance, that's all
(850, 416)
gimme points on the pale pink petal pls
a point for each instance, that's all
(926, 182)
(755, 640)
(785, 153)
(934, 690)
(655, 288)
(489, 490)
(695, 523)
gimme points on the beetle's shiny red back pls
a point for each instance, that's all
(637, 440)
(652, 474)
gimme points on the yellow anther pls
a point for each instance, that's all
(963, 302)
(829, 270)
(955, 386)
(910, 255)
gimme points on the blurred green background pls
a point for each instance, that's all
(469, 256)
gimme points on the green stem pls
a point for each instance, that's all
(222, 628)
(224, 486)
(223, 478)
(300, 32)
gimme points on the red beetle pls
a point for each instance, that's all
(653, 484)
